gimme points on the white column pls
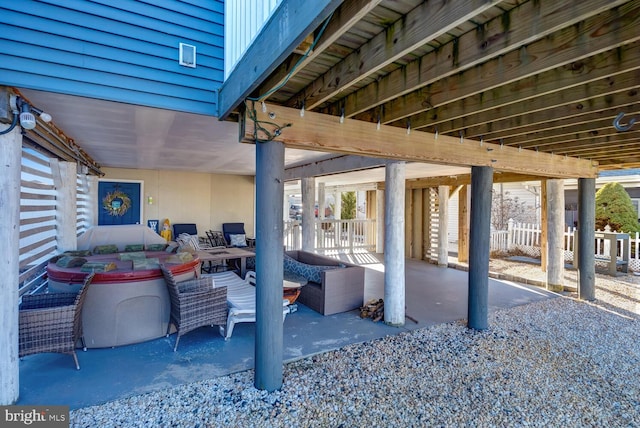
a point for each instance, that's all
(285, 207)
(555, 234)
(10, 164)
(321, 200)
(94, 203)
(321, 203)
(443, 226)
(308, 185)
(64, 179)
(394, 290)
(337, 206)
(379, 221)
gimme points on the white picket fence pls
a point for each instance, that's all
(525, 237)
(334, 235)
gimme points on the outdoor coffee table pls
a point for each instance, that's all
(291, 285)
(218, 255)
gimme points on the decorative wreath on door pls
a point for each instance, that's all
(116, 203)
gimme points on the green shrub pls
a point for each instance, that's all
(614, 208)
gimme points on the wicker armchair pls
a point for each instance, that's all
(194, 303)
(52, 322)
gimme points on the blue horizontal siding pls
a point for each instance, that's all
(117, 94)
(123, 50)
(158, 16)
(112, 80)
(133, 13)
(42, 28)
(67, 50)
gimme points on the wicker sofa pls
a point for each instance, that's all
(339, 290)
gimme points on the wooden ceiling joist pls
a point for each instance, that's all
(426, 22)
(581, 111)
(316, 131)
(599, 69)
(529, 22)
(607, 30)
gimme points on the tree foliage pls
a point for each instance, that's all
(614, 208)
(505, 207)
(348, 208)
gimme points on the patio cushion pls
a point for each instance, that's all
(105, 249)
(137, 255)
(133, 247)
(156, 247)
(313, 273)
(189, 241)
(238, 240)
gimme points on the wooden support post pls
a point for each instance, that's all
(416, 219)
(408, 235)
(10, 165)
(479, 242)
(555, 228)
(586, 236)
(544, 225)
(308, 189)
(380, 221)
(269, 265)
(426, 223)
(394, 291)
(463, 224)
(65, 181)
(443, 226)
(372, 207)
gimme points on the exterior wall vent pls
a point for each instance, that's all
(187, 55)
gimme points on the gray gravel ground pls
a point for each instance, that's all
(560, 363)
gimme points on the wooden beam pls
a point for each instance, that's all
(315, 131)
(292, 21)
(464, 180)
(606, 31)
(424, 23)
(332, 166)
(345, 17)
(529, 22)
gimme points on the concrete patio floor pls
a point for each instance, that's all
(433, 295)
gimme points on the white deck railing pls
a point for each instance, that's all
(334, 235)
(525, 237)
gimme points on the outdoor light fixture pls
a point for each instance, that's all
(27, 119)
(25, 112)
